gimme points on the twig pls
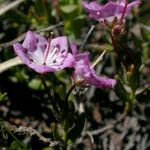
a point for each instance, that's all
(27, 131)
(21, 37)
(108, 127)
(10, 6)
(101, 130)
(50, 27)
(7, 44)
(87, 36)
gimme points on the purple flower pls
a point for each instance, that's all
(84, 71)
(44, 55)
(110, 10)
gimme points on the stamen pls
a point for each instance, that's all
(48, 47)
(54, 52)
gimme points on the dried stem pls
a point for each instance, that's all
(20, 38)
(109, 126)
(87, 36)
(101, 130)
(10, 6)
(10, 63)
(27, 131)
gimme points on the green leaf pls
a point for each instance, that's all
(68, 8)
(3, 97)
(35, 84)
(14, 146)
(134, 79)
(121, 91)
(145, 33)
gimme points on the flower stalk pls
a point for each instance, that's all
(114, 44)
(53, 104)
(79, 82)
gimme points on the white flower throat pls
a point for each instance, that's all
(52, 55)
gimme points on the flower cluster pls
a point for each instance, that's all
(52, 55)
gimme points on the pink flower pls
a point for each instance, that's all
(110, 10)
(44, 55)
(84, 71)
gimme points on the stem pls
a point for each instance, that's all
(52, 101)
(132, 96)
(124, 11)
(67, 96)
(70, 91)
(117, 51)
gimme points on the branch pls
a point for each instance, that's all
(101, 130)
(50, 27)
(108, 127)
(21, 37)
(7, 7)
(27, 131)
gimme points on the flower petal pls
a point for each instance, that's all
(91, 6)
(21, 52)
(73, 47)
(41, 42)
(134, 3)
(89, 75)
(68, 62)
(83, 70)
(41, 68)
(62, 42)
(109, 10)
(30, 41)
